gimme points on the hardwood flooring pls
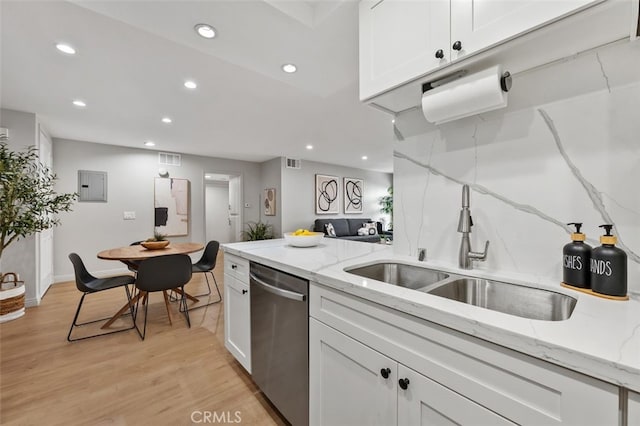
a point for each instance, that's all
(177, 376)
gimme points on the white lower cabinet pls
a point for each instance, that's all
(435, 375)
(345, 384)
(237, 310)
(634, 409)
(425, 402)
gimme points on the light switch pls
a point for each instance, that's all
(129, 215)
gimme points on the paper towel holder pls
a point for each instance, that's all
(505, 81)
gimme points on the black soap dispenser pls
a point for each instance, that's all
(575, 260)
(609, 266)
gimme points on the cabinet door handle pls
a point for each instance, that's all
(457, 45)
(404, 383)
(439, 53)
(234, 266)
(244, 291)
(385, 372)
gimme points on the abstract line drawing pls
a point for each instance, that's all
(171, 203)
(326, 194)
(270, 202)
(353, 192)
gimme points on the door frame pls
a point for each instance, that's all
(240, 199)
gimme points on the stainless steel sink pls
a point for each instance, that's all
(527, 302)
(399, 274)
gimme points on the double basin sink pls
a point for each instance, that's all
(513, 299)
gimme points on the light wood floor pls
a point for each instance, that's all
(173, 377)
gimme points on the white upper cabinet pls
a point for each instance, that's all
(403, 40)
(399, 40)
(477, 24)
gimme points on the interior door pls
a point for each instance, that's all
(44, 273)
(235, 207)
(218, 223)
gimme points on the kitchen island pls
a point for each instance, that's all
(601, 339)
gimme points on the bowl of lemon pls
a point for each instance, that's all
(303, 238)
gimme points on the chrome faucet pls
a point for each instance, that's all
(465, 222)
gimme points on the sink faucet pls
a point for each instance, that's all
(465, 222)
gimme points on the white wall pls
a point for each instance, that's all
(20, 257)
(298, 193)
(271, 177)
(565, 151)
(92, 227)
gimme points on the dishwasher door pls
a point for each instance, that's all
(280, 340)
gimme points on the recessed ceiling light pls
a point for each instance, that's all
(190, 84)
(79, 103)
(206, 31)
(364, 157)
(65, 48)
(149, 143)
(309, 146)
(167, 120)
(289, 68)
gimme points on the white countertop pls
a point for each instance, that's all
(601, 339)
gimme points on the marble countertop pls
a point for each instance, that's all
(601, 339)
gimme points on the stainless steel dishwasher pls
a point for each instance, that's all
(280, 340)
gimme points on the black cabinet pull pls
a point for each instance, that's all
(234, 266)
(404, 383)
(439, 53)
(385, 372)
(457, 45)
(244, 291)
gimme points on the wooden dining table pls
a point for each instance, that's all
(139, 253)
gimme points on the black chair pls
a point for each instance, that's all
(162, 273)
(87, 284)
(132, 265)
(205, 265)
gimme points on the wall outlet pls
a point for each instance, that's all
(247, 205)
(129, 215)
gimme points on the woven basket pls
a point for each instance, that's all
(11, 297)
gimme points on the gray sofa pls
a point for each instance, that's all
(346, 228)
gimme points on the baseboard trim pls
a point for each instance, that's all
(31, 302)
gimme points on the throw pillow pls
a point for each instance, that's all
(329, 230)
(363, 231)
(371, 228)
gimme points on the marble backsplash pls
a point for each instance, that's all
(566, 150)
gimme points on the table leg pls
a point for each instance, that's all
(126, 307)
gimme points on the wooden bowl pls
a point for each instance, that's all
(154, 245)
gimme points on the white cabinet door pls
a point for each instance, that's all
(634, 409)
(399, 40)
(346, 386)
(425, 402)
(237, 320)
(478, 24)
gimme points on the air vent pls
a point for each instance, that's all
(293, 163)
(167, 159)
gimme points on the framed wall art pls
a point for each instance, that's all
(326, 200)
(353, 191)
(171, 203)
(270, 202)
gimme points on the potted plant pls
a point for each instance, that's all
(158, 241)
(258, 231)
(28, 202)
(386, 205)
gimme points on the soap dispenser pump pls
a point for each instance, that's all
(609, 266)
(576, 257)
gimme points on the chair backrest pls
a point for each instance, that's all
(210, 255)
(136, 243)
(164, 272)
(82, 275)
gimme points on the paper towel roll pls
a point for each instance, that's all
(469, 95)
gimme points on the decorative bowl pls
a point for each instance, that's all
(154, 245)
(303, 240)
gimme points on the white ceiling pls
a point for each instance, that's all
(134, 56)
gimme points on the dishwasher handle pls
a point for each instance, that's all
(278, 291)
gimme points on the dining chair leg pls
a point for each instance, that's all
(186, 311)
(166, 304)
(142, 295)
(205, 294)
(75, 323)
